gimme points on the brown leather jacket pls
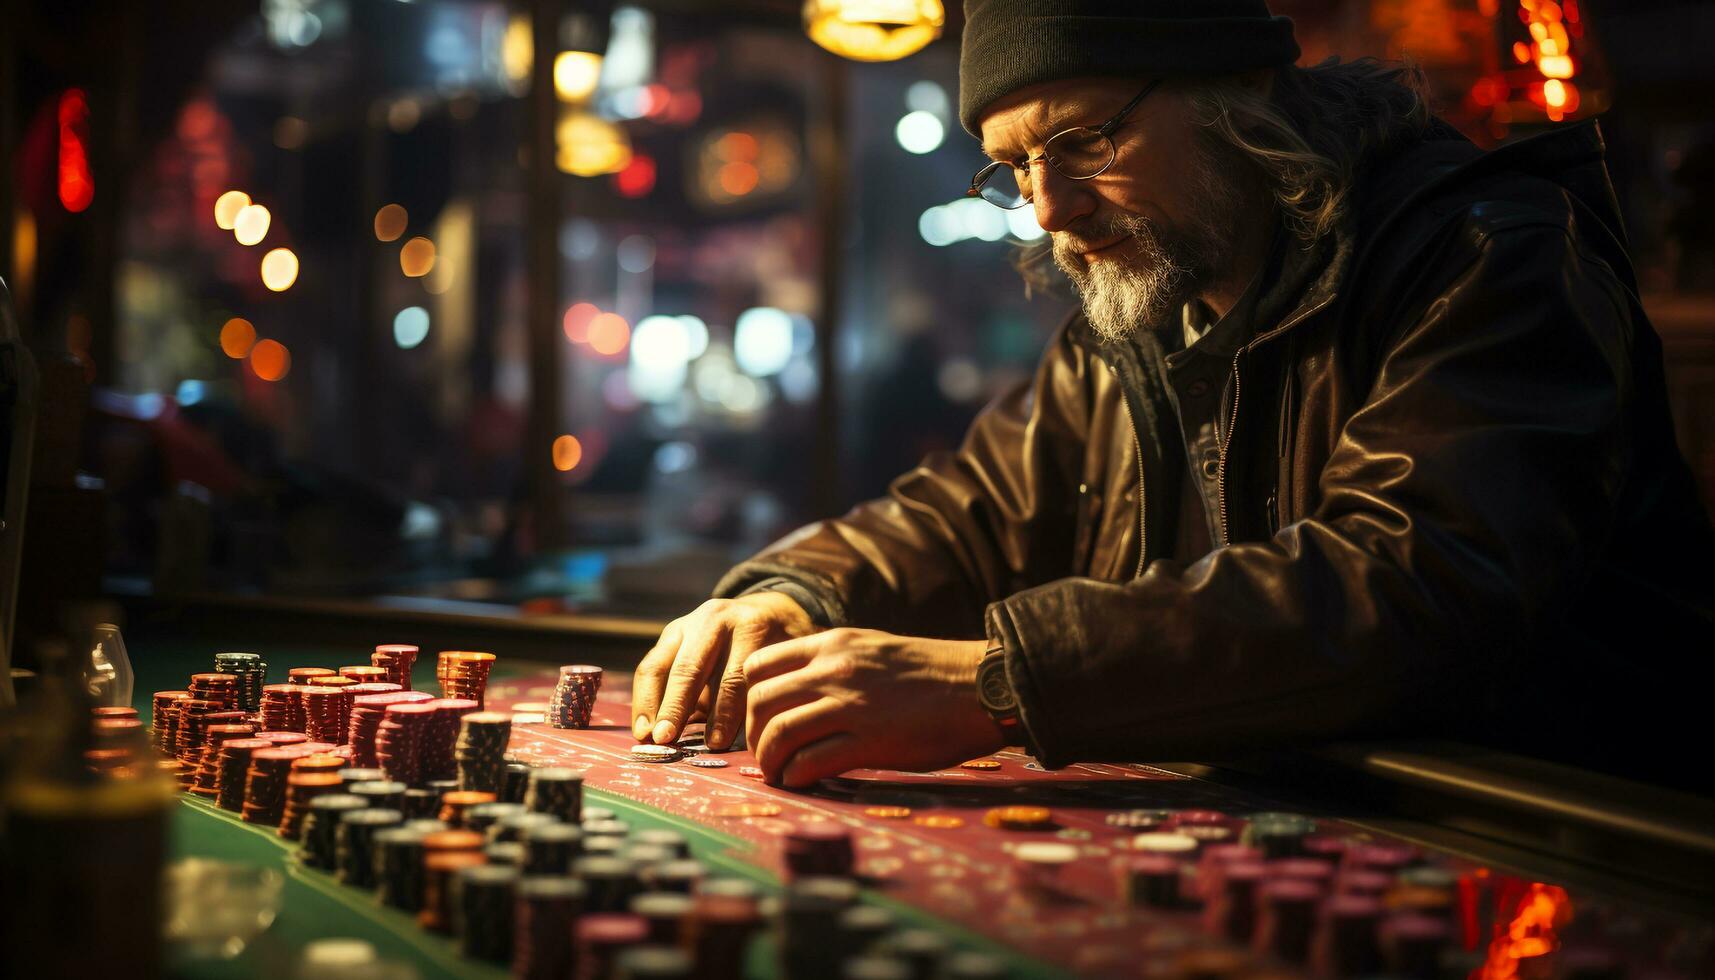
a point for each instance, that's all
(1450, 497)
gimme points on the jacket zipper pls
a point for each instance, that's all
(1221, 466)
(1142, 510)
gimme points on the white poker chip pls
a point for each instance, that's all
(708, 762)
(1164, 843)
(1046, 853)
(654, 753)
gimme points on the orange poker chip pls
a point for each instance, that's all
(980, 764)
(453, 840)
(1018, 817)
(939, 821)
(748, 810)
(318, 763)
(314, 779)
(887, 812)
(467, 797)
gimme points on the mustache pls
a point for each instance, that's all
(1093, 232)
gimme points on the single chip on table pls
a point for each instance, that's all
(887, 812)
(748, 810)
(654, 753)
(939, 821)
(1019, 818)
(751, 771)
(708, 762)
(980, 764)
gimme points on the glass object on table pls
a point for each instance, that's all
(108, 673)
(216, 908)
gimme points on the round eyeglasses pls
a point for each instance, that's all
(1079, 153)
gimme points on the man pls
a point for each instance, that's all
(1360, 431)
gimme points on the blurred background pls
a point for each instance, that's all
(310, 325)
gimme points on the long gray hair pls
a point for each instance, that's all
(1305, 138)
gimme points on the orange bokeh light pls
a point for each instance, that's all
(609, 333)
(738, 179)
(390, 222)
(568, 451)
(417, 257)
(576, 322)
(270, 360)
(237, 336)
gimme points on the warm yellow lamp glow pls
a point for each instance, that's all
(576, 74)
(417, 257)
(517, 49)
(251, 225)
(279, 269)
(587, 145)
(226, 208)
(874, 30)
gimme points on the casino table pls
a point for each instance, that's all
(1077, 888)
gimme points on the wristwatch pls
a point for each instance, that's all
(995, 692)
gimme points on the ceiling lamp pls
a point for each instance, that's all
(874, 30)
(587, 145)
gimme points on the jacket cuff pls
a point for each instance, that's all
(807, 589)
(1032, 714)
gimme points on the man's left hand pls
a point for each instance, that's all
(851, 698)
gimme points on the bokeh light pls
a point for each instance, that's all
(576, 322)
(609, 333)
(251, 224)
(638, 177)
(920, 132)
(226, 208)
(576, 74)
(237, 336)
(390, 222)
(417, 257)
(866, 31)
(762, 340)
(586, 145)
(270, 360)
(279, 269)
(568, 452)
(410, 327)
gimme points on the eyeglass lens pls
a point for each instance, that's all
(1076, 153)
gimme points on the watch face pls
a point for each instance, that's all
(992, 688)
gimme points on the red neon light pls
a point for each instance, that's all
(76, 183)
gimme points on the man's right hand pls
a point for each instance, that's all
(720, 633)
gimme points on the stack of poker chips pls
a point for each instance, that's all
(187, 730)
(556, 790)
(208, 772)
(367, 712)
(665, 912)
(574, 696)
(399, 742)
(399, 866)
(439, 867)
(484, 912)
(303, 675)
(809, 915)
(309, 777)
(601, 937)
(122, 733)
(382, 794)
(464, 674)
(327, 713)
(442, 735)
(319, 847)
(816, 849)
(221, 688)
(481, 753)
(547, 908)
(265, 784)
(364, 673)
(725, 914)
(232, 769)
(288, 738)
(550, 848)
(251, 671)
(374, 687)
(276, 708)
(396, 659)
(163, 718)
(354, 843)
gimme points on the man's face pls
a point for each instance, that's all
(1151, 231)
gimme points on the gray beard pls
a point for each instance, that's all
(1142, 282)
(1138, 287)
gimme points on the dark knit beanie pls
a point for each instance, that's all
(1009, 44)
